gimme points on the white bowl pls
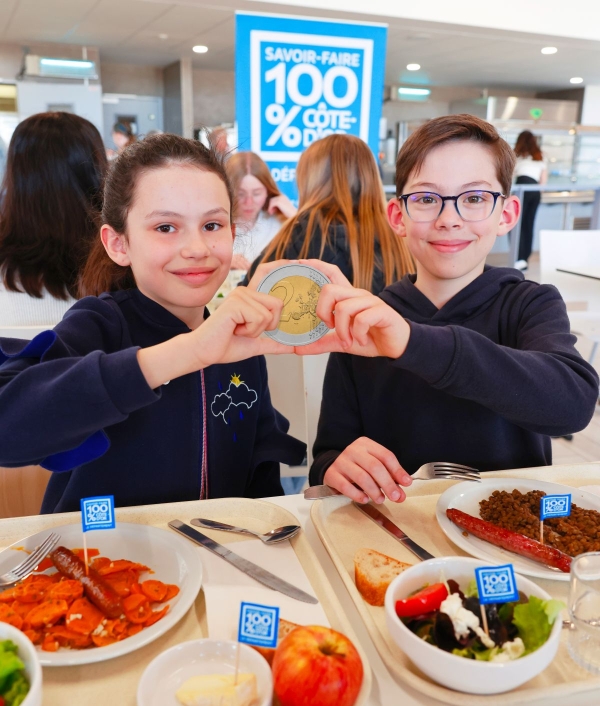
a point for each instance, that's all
(167, 672)
(460, 673)
(28, 655)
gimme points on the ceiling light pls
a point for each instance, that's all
(162, 35)
(200, 49)
(70, 63)
(413, 91)
(549, 50)
(576, 79)
(413, 67)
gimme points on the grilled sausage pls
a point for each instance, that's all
(514, 542)
(95, 587)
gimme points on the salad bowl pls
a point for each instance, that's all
(456, 672)
(28, 655)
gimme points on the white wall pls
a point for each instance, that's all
(590, 111)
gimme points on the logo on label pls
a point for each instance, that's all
(555, 506)
(496, 584)
(259, 625)
(98, 513)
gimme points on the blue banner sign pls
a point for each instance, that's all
(555, 506)
(496, 584)
(301, 79)
(98, 513)
(259, 625)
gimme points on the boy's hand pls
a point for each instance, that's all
(363, 323)
(367, 470)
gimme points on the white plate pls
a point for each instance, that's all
(466, 496)
(167, 672)
(172, 558)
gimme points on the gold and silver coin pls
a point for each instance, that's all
(298, 286)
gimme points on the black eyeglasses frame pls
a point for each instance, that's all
(495, 194)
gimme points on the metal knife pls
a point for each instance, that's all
(320, 491)
(392, 529)
(256, 572)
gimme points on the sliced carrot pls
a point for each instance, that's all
(83, 617)
(120, 565)
(121, 582)
(23, 609)
(68, 590)
(32, 591)
(50, 644)
(154, 590)
(7, 596)
(99, 562)
(34, 635)
(8, 615)
(134, 629)
(136, 588)
(172, 591)
(137, 608)
(45, 564)
(156, 615)
(103, 640)
(47, 613)
(69, 638)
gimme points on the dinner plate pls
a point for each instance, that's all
(466, 496)
(171, 558)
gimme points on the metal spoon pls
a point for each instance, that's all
(278, 534)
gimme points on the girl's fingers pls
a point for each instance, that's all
(332, 271)
(264, 269)
(330, 343)
(329, 297)
(345, 313)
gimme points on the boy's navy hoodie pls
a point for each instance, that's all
(484, 381)
(75, 401)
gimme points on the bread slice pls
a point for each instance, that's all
(285, 628)
(373, 573)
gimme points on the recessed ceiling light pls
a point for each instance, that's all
(576, 79)
(549, 50)
(162, 35)
(200, 49)
(402, 91)
(413, 67)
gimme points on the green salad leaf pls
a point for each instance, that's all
(482, 654)
(14, 686)
(534, 621)
(472, 591)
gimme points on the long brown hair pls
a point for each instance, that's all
(242, 164)
(50, 202)
(338, 183)
(101, 274)
(527, 146)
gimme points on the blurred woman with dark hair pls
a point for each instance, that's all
(530, 169)
(122, 136)
(50, 201)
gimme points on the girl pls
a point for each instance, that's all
(136, 393)
(342, 217)
(530, 169)
(261, 208)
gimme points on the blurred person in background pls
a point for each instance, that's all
(217, 139)
(50, 199)
(530, 169)
(342, 216)
(261, 209)
(122, 136)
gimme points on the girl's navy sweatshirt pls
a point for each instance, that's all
(486, 380)
(74, 400)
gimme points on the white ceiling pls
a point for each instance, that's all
(450, 55)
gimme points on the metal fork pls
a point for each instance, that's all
(444, 469)
(437, 470)
(29, 565)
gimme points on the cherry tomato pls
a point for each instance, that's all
(426, 600)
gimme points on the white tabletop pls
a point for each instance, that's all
(386, 690)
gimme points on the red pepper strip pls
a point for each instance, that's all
(514, 542)
(426, 600)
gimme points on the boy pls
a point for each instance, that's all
(460, 362)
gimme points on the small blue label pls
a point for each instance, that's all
(496, 584)
(555, 506)
(98, 513)
(259, 625)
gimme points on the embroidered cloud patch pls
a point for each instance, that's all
(236, 395)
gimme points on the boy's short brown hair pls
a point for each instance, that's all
(450, 128)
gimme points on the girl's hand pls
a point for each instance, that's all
(283, 204)
(363, 323)
(367, 470)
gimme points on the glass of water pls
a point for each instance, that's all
(584, 610)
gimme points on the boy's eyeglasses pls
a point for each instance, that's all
(425, 206)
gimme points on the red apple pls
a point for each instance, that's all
(317, 666)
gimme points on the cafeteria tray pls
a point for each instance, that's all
(343, 530)
(116, 681)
